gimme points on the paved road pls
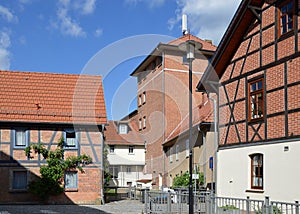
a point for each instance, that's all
(125, 206)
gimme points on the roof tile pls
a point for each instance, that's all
(48, 97)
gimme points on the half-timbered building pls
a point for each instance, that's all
(40, 108)
(255, 72)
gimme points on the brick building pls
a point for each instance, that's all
(163, 98)
(257, 69)
(40, 108)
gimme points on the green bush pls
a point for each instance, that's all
(52, 174)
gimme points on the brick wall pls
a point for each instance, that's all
(89, 182)
(281, 122)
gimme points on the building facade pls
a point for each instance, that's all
(40, 108)
(126, 154)
(257, 67)
(163, 91)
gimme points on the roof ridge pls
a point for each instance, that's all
(46, 73)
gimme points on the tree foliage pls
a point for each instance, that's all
(107, 175)
(52, 173)
(184, 180)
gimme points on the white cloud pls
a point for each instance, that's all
(206, 19)
(150, 3)
(67, 25)
(88, 6)
(98, 32)
(7, 14)
(4, 52)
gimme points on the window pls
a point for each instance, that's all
(114, 171)
(286, 16)
(71, 179)
(144, 97)
(140, 100)
(19, 180)
(144, 122)
(111, 149)
(71, 141)
(256, 99)
(140, 124)
(256, 171)
(171, 154)
(128, 169)
(176, 154)
(123, 128)
(21, 138)
(130, 149)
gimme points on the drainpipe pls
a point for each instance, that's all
(215, 141)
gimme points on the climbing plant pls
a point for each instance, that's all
(52, 173)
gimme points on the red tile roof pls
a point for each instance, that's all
(112, 137)
(207, 45)
(51, 98)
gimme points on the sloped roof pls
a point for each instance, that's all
(207, 45)
(51, 98)
(112, 137)
(200, 114)
(231, 40)
(207, 49)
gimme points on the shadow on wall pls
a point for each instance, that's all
(13, 190)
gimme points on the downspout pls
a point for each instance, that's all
(215, 141)
(163, 113)
(102, 166)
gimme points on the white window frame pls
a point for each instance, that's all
(25, 138)
(74, 183)
(140, 124)
(73, 140)
(144, 97)
(171, 154)
(144, 122)
(123, 128)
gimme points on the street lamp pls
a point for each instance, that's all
(190, 46)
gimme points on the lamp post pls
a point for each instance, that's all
(189, 47)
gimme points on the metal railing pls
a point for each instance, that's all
(204, 202)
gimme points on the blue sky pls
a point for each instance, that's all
(64, 36)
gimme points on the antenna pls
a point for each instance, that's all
(184, 24)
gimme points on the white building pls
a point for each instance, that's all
(126, 155)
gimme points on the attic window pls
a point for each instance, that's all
(123, 129)
(286, 17)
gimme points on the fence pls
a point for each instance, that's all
(204, 202)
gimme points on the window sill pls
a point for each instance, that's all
(255, 190)
(71, 189)
(70, 148)
(18, 191)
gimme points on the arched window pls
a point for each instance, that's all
(257, 171)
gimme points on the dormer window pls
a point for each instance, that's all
(123, 128)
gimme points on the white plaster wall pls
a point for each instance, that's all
(121, 156)
(281, 172)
